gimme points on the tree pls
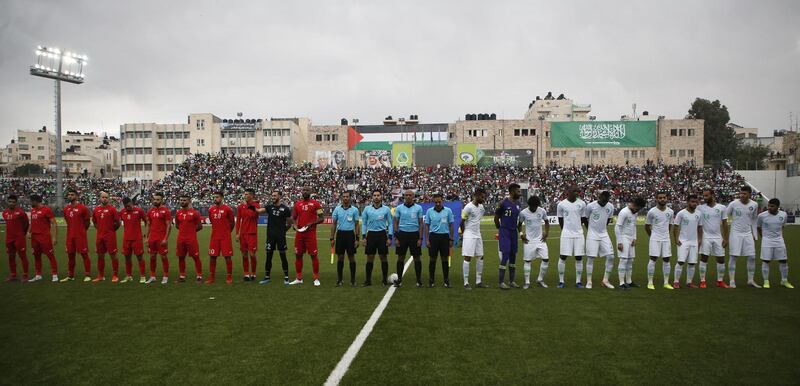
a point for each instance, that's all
(751, 157)
(719, 141)
(28, 170)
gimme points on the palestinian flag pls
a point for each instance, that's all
(380, 137)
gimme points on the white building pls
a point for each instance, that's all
(558, 108)
(150, 150)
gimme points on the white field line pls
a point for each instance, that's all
(344, 364)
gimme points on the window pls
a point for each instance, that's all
(41, 158)
(40, 138)
(641, 153)
(319, 137)
(673, 153)
(547, 133)
(626, 154)
(682, 153)
(690, 152)
(201, 124)
(555, 154)
(690, 132)
(634, 154)
(673, 133)
(586, 154)
(452, 135)
(201, 142)
(477, 133)
(327, 137)
(334, 137)
(40, 148)
(602, 154)
(681, 132)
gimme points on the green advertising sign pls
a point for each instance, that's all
(603, 134)
(402, 154)
(466, 154)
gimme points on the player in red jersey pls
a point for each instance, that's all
(43, 234)
(78, 219)
(188, 222)
(132, 218)
(157, 230)
(247, 232)
(16, 228)
(307, 214)
(106, 220)
(222, 223)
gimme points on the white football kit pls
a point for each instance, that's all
(536, 248)
(741, 240)
(659, 221)
(598, 242)
(625, 230)
(712, 218)
(688, 221)
(572, 240)
(773, 247)
(472, 245)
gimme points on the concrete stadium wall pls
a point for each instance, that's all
(774, 183)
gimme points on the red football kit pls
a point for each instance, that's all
(105, 217)
(132, 237)
(305, 213)
(221, 218)
(42, 238)
(247, 225)
(16, 228)
(159, 219)
(76, 217)
(187, 221)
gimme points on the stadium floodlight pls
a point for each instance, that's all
(67, 66)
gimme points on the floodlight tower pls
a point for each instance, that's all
(60, 66)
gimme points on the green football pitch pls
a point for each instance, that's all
(83, 333)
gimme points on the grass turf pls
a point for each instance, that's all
(245, 333)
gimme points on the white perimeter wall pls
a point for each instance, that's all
(774, 183)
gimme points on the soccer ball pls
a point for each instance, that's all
(393, 278)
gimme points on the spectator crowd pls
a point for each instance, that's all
(203, 174)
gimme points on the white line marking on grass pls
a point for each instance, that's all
(344, 364)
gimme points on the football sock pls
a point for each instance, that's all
(609, 267)
(432, 270)
(315, 266)
(128, 266)
(479, 271)
(690, 273)
(703, 265)
(784, 268)
(368, 272)
(720, 271)
(339, 270)
(246, 265)
(253, 264)
(352, 271)
(678, 272)
(87, 264)
(561, 267)
(228, 266)
(37, 264)
(666, 267)
(198, 266)
(182, 266)
(268, 263)
(623, 266)
(399, 268)
(732, 269)
(114, 265)
(385, 270)
(465, 271)
(418, 269)
(12, 265)
(589, 268)
(751, 268)
(212, 267)
(526, 269)
(70, 265)
(502, 273)
(445, 270)
(298, 267)
(165, 265)
(651, 271)
(764, 270)
(629, 271)
(53, 264)
(543, 270)
(152, 266)
(578, 270)
(101, 266)
(284, 263)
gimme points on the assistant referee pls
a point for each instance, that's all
(343, 235)
(376, 231)
(439, 222)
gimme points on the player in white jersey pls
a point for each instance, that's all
(742, 239)
(596, 217)
(687, 235)
(625, 231)
(472, 243)
(770, 228)
(715, 236)
(570, 212)
(534, 239)
(658, 225)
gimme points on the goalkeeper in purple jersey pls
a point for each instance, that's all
(506, 219)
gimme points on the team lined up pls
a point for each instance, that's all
(696, 231)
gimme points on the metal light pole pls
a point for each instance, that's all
(60, 66)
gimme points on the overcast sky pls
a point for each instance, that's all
(158, 61)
